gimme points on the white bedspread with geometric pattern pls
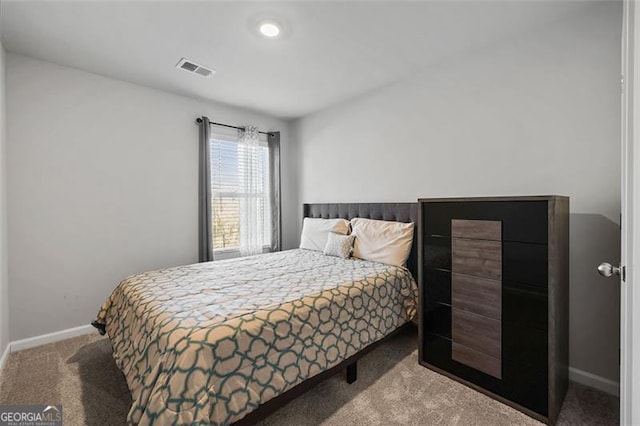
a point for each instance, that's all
(210, 342)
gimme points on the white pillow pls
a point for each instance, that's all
(339, 245)
(382, 241)
(316, 231)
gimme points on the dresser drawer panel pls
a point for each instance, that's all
(437, 319)
(437, 285)
(477, 229)
(437, 252)
(524, 221)
(480, 296)
(527, 347)
(477, 332)
(483, 362)
(477, 257)
(525, 264)
(525, 306)
(525, 385)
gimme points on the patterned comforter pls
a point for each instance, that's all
(210, 342)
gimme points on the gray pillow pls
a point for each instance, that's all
(339, 245)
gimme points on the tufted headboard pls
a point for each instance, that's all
(400, 212)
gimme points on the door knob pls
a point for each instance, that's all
(606, 269)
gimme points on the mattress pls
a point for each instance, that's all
(210, 342)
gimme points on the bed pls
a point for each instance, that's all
(229, 341)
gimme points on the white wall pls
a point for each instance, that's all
(4, 283)
(102, 183)
(537, 114)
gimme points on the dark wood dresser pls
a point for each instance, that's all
(494, 296)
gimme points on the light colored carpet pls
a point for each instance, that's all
(392, 389)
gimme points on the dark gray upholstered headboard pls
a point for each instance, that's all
(399, 212)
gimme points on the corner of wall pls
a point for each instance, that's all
(4, 285)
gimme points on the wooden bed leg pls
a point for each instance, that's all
(352, 372)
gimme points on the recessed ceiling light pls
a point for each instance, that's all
(269, 29)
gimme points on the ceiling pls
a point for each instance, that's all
(328, 52)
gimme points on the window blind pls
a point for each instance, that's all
(228, 169)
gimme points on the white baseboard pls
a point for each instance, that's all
(594, 381)
(5, 355)
(43, 339)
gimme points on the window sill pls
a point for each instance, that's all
(233, 253)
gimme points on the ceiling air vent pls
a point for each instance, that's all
(192, 67)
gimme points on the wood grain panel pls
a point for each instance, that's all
(480, 296)
(479, 258)
(479, 361)
(558, 288)
(477, 332)
(478, 229)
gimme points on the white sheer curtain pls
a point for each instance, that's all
(252, 184)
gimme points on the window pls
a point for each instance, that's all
(239, 191)
(228, 169)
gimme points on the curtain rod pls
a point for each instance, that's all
(199, 120)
